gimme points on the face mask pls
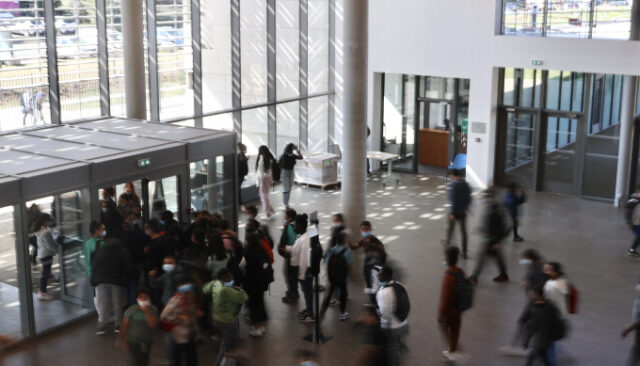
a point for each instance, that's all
(144, 304)
(444, 263)
(229, 284)
(104, 209)
(185, 288)
(382, 283)
(286, 222)
(525, 262)
(129, 192)
(168, 267)
(104, 234)
(162, 222)
(148, 233)
(366, 234)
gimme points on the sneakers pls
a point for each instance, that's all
(117, 330)
(514, 351)
(333, 302)
(100, 332)
(345, 316)
(307, 318)
(453, 356)
(256, 332)
(518, 238)
(302, 314)
(633, 253)
(501, 278)
(43, 296)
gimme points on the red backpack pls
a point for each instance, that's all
(267, 248)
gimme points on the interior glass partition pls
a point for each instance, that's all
(10, 305)
(519, 148)
(212, 185)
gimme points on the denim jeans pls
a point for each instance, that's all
(286, 176)
(46, 262)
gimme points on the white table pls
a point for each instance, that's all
(384, 157)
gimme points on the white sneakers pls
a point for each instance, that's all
(454, 356)
(514, 351)
(257, 332)
(43, 296)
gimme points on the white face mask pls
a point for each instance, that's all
(525, 262)
(143, 304)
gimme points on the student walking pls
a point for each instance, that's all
(287, 164)
(110, 275)
(632, 213)
(338, 259)
(179, 318)
(493, 233)
(287, 239)
(227, 302)
(460, 200)
(264, 177)
(545, 325)
(300, 260)
(390, 307)
(255, 283)
(634, 356)
(556, 292)
(512, 200)
(137, 330)
(449, 315)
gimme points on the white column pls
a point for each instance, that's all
(133, 50)
(354, 107)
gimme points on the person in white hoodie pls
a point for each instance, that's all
(556, 291)
(47, 249)
(264, 177)
(393, 328)
(301, 258)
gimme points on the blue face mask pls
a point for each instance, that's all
(229, 284)
(525, 262)
(104, 209)
(382, 283)
(162, 222)
(445, 264)
(185, 288)
(168, 267)
(366, 234)
(104, 234)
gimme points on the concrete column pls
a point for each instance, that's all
(627, 115)
(354, 141)
(133, 50)
(626, 138)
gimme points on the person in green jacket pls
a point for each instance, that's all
(97, 234)
(227, 302)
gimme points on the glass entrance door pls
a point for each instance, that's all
(519, 152)
(398, 120)
(559, 155)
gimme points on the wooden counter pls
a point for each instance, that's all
(433, 147)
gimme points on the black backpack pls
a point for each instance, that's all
(266, 275)
(629, 208)
(403, 306)
(464, 292)
(337, 268)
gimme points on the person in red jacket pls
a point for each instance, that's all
(449, 317)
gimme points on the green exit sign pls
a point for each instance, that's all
(143, 163)
(536, 62)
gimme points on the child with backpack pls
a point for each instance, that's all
(456, 297)
(338, 259)
(393, 309)
(258, 276)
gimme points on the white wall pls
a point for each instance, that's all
(456, 38)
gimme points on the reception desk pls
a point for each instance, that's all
(433, 147)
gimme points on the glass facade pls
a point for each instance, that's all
(605, 19)
(565, 124)
(249, 53)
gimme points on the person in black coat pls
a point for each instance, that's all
(110, 273)
(254, 283)
(243, 168)
(544, 325)
(493, 232)
(134, 242)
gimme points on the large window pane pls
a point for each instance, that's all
(523, 18)
(392, 117)
(554, 86)
(10, 322)
(288, 125)
(318, 74)
(287, 60)
(219, 122)
(253, 38)
(77, 50)
(612, 19)
(175, 58)
(439, 88)
(116, 58)
(212, 185)
(519, 148)
(600, 163)
(318, 124)
(254, 134)
(568, 18)
(24, 97)
(216, 55)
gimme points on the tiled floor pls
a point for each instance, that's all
(588, 237)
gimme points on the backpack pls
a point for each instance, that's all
(337, 268)
(403, 306)
(267, 248)
(629, 208)
(464, 292)
(266, 275)
(275, 171)
(572, 300)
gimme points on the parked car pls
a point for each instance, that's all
(66, 26)
(29, 28)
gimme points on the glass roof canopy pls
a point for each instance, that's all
(45, 160)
